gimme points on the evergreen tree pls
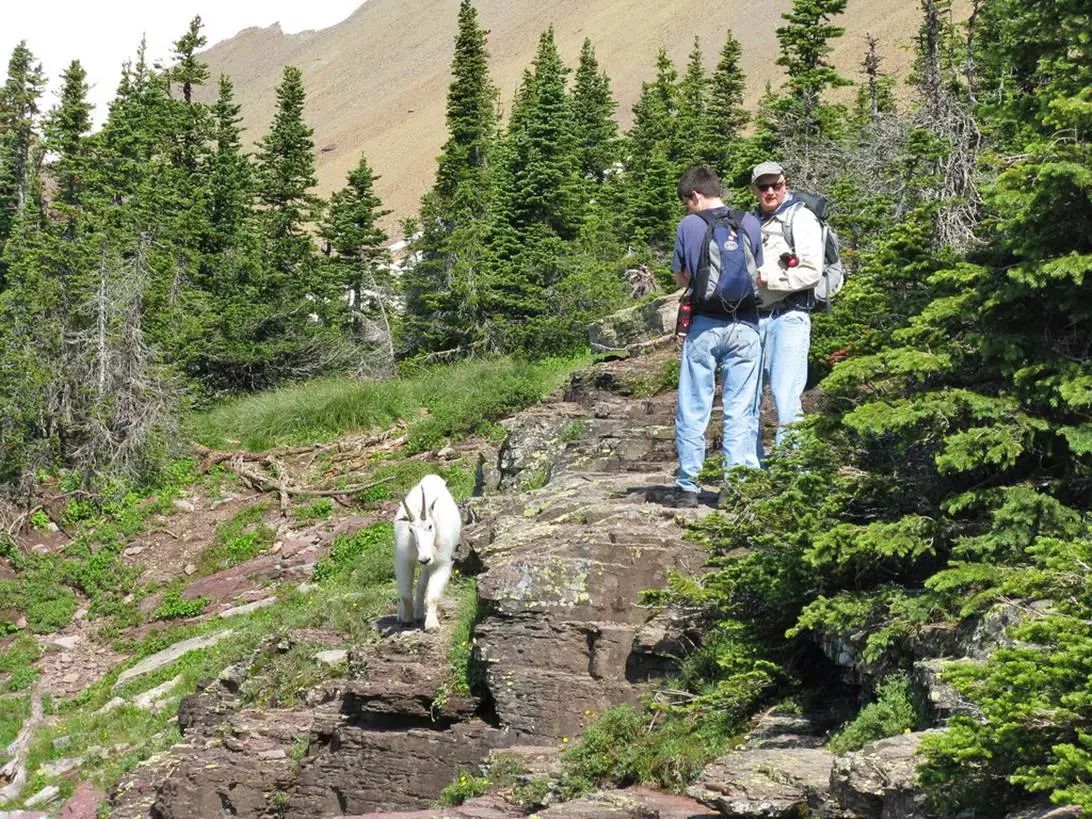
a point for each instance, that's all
(66, 137)
(461, 171)
(876, 95)
(441, 286)
(192, 128)
(656, 113)
(358, 254)
(281, 325)
(188, 71)
(31, 347)
(230, 179)
(536, 205)
(285, 176)
(66, 131)
(18, 136)
(695, 131)
(654, 156)
(725, 110)
(805, 45)
(593, 116)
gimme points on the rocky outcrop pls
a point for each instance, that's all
(621, 329)
(880, 780)
(564, 634)
(780, 770)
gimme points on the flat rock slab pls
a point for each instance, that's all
(630, 803)
(83, 803)
(765, 783)
(170, 654)
(482, 807)
(359, 770)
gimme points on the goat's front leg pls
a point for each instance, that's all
(437, 582)
(419, 598)
(403, 575)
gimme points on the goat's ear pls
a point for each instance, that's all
(409, 514)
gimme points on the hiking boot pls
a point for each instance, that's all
(681, 500)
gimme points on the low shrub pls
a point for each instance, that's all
(893, 712)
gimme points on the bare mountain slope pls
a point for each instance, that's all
(377, 82)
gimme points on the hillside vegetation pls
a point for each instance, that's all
(154, 269)
(365, 95)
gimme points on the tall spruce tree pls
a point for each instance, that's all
(229, 176)
(442, 284)
(285, 176)
(286, 328)
(66, 130)
(654, 158)
(361, 263)
(805, 46)
(725, 111)
(593, 116)
(18, 137)
(188, 73)
(694, 123)
(31, 346)
(536, 204)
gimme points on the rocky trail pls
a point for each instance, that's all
(562, 540)
(564, 532)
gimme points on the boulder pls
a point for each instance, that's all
(1044, 810)
(765, 783)
(642, 323)
(880, 780)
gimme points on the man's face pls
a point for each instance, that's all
(771, 192)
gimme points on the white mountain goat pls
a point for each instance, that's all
(427, 529)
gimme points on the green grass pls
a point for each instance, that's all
(237, 540)
(464, 675)
(174, 606)
(439, 404)
(13, 712)
(17, 658)
(624, 746)
(356, 587)
(313, 512)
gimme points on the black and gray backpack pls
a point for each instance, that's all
(834, 275)
(724, 282)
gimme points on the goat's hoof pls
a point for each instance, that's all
(432, 625)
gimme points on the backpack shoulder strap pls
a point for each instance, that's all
(786, 223)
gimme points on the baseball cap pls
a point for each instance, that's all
(766, 169)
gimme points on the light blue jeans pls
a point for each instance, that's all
(786, 338)
(735, 348)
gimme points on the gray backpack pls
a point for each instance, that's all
(834, 275)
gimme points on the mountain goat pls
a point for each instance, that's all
(427, 529)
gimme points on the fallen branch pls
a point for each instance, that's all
(264, 482)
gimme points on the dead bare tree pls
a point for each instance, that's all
(128, 412)
(948, 115)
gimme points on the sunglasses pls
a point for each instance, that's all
(768, 186)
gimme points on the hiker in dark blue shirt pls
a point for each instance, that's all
(717, 251)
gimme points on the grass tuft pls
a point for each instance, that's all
(438, 404)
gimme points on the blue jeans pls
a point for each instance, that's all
(786, 337)
(735, 348)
